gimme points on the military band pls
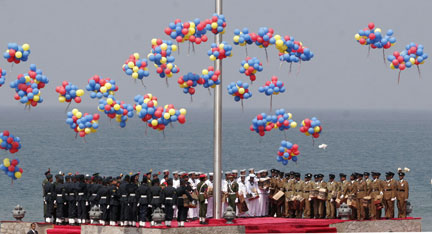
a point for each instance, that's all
(125, 201)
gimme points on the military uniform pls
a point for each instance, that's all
(307, 188)
(114, 204)
(182, 194)
(124, 211)
(132, 201)
(362, 192)
(288, 188)
(298, 193)
(232, 194)
(332, 192)
(350, 193)
(143, 195)
(402, 195)
(321, 203)
(103, 194)
(389, 198)
(376, 191)
(48, 195)
(202, 198)
(156, 197)
(169, 200)
(60, 200)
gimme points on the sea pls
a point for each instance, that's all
(358, 141)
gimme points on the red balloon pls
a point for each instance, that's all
(262, 133)
(6, 133)
(96, 117)
(11, 168)
(14, 162)
(372, 36)
(294, 147)
(192, 91)
(107, 107)
(402, 67)
(9, 140)
(77, 99)
(371, 25)
(21, 170)
(315, 135)
(15, 145)
(82, 134)
(307, 122)
(182, 119)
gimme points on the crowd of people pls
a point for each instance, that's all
(126, 200)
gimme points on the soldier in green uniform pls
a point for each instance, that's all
(232, 192)
(368, 184)
(202, 198)
(362, 192)
(389, 198)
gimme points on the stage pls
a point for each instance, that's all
(241, 225)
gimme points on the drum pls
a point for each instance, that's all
(352, 202)
(322, 194)
(314, 194)
(278, 196)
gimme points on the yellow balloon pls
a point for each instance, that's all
(116, 107)
(214, 25)
(204, 72)
(87, 130)
(154, 123)
(277, 37)
(153, 41)
(79, 92)
(241, 90)
(62, 99)
(74, 111)
(172, 112)
(279, 43)
(108, 86)
(135, 75)
(357, 36)
(293, 125)
(289, 115)
(18, 54)
(174, 47)
(26, 47)
(131, 64)
(183, 111)
(246, 66)
(110, 101)
(412, 60)
(316, 129)
(6, 162)
(93, 130)
(392, 66)
(221, 46)
(236, 38)
(136, 55)
(377, 30)
(307, 133)
(138, 108)
(1, 140)
(163, 60)
(164, 46)
(169, 66)
(18, 174)
(103, 89)
(78, 115)
(167, 116)
(155, 103)
(212, 57)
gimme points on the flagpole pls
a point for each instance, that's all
(217, 136)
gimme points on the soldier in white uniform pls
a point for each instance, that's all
(193, 212)
(234, 174)
(209, 183)
(165, 174)
(242, 192)
(225, 191)
(252, 194)
(242, 172)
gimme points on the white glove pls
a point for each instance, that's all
(341, 197)
(236, 200)
(310, 199)
(55, 202)
(393, 199)
(381, 193)
(86, 203)
(107, 207)
(150, 206)
(138, 205)
(163, 206)
(205, 201)
(331, 200)
(64, 203)
(76, 204)
(45, 202)
(173, 207)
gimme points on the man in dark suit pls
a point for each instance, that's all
(33, 229)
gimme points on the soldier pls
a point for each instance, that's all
(376, 192)
(368, 184)
(67, 187)
(389, 195)
(209, 183)
(321, 202)
(202, 198)
(123, 192)
(193, 181)
(182, 194)
(242, 195)
(350, 193)
(315, 200)
(342, 184)
(242, 172)
(332, 192)
(132, 200)
(60, 199)
(169, 201)
(232, 189)
(402, 195)
(143, 195)
(362, 192)
(103, 197)
(288, 188)
(45, 181)
(307, 188)
(299, 202)
(156, 197)
(93, 192)
(48, 195)
(114, 202)
(252, 194)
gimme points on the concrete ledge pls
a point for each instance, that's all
(12, 227)
(92, 229)
(413, 225)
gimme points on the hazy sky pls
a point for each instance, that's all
(74, 40)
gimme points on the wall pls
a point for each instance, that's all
(90, 229)
(11, 227)
(413, 225)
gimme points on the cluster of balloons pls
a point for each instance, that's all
(311, 127)
(217, 24)
(161, 56)
(9, 142)
(250, 66)
(100, 87)
(262, 39)
(210, 77)
(193, 32)
(220, 51)
(265, 123)
(116, 109)
(188, 82)
(16, 53)
(412, 55)
(273, 87)
(136, 67)
(82, 124)
(68, 92)
(290, 50)
(11, 168)
(2, 77)
(28, 85)
(287, 151)
(157, 117)
(373, 38)
(242, 38)
(239, 90)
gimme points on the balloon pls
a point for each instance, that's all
(82, 124)
(2, 77)
(239, 90)
(136, 67)
(221, 51)
(287, 151)
(101, 87)
(16, 53)
(68, 92)
(264, 123)
(161, 56)
(250, 66)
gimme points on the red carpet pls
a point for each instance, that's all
(252, 225)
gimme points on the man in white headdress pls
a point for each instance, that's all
(209, 183)
(242, 193)
(242, 172)
(225, 191)
(252, 195)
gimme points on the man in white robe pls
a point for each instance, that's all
(252, 195)
(209, 183)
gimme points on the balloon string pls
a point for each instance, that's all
(246, 50)
(299, 68)
(271, 102)
(384, 57)
(67, 107)
(11, 67)
(266, 54)
(191, 98)
(166, 81)
(145, 132)
(163, 132)
(399, 77)
(242, 106)
(76, 135)
(189, 48)
(193, 48)
(178, 48)
(313, 141)
(290, 69)
(171, 125)
(142, 82)
(368, 51)
(418, 69)
(285, 135)
(209, 91)
(84, 140)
